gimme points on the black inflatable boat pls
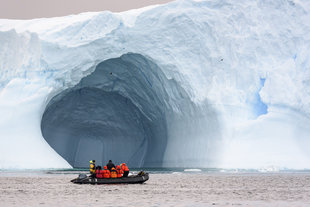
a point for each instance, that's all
(132, 179)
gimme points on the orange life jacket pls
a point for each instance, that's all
(106, 173)
(113, 173)
(120, 172)
(124, 167)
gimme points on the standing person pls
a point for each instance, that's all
(120, 172)
(113, 173)
(92, 168)
(125, 169)
(110, 165)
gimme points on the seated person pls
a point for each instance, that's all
(99, 172)
(113, 173)
(120, 172)
(125, 169)
(106, 172)
(110, 165)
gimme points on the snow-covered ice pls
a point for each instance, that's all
(185, 84)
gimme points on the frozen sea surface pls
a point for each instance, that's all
(164, 188)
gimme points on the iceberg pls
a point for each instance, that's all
(188, 84)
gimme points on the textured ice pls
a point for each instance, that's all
(185, 84)
(125, 110)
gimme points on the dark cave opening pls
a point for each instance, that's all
(117, 112)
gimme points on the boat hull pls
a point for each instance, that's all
(133, 179)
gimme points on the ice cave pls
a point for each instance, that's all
(190, 83)
(123, 110)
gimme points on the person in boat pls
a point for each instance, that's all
(113, 173)
(125, 170)
(99, 172)
(110, 165)
(106, 172)
(92, 168)
(120, 172)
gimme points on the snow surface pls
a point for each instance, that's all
(232, 84)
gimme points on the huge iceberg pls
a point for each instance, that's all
(186, 84)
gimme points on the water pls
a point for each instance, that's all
(166, 187)
(76, 171)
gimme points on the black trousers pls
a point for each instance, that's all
(93, 175)
(125, 173)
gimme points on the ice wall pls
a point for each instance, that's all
(128, 110)
(229, 86)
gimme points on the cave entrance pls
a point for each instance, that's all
(117, 112)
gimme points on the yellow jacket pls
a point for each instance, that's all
(92, 169)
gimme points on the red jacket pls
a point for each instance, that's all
(99, 173)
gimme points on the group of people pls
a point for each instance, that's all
(109, 171)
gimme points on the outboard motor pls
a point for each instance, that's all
(82, 176)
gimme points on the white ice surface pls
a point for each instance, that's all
(218, 51)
